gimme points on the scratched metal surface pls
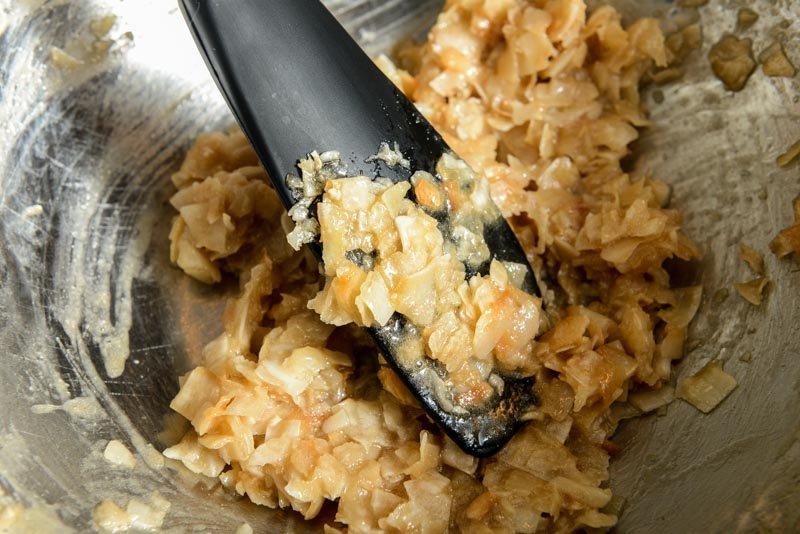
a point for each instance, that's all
(89, 274)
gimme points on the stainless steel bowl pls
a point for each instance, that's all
(87, 275)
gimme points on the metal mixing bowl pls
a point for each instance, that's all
(89, 275)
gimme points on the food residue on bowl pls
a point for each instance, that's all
(101, 26)
(32, 211)
(752, 258)
(16, 518)
(118, 454)
(775, 63)
(752, 291)
(650, 400)
(92, 47)
(692, 3)
(732, 61)
(745, 18)
(679, 45)
(63, 60)
(707, 388)
(138, 515)
(391, 155)
(788, 240)
(86, 408)
(789, 156)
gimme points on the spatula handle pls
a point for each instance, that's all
(296, 82)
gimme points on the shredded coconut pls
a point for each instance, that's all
(390, 155)
(118, 454)
(291, 411)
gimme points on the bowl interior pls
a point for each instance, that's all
(86, 279)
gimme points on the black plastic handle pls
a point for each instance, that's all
(296, 82)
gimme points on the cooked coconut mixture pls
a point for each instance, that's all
(293, 406)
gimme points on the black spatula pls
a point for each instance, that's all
(296, 83)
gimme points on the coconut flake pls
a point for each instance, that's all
(392, 156)
(706, 389)
(752, 258)
(118, 454)
(753, 291)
